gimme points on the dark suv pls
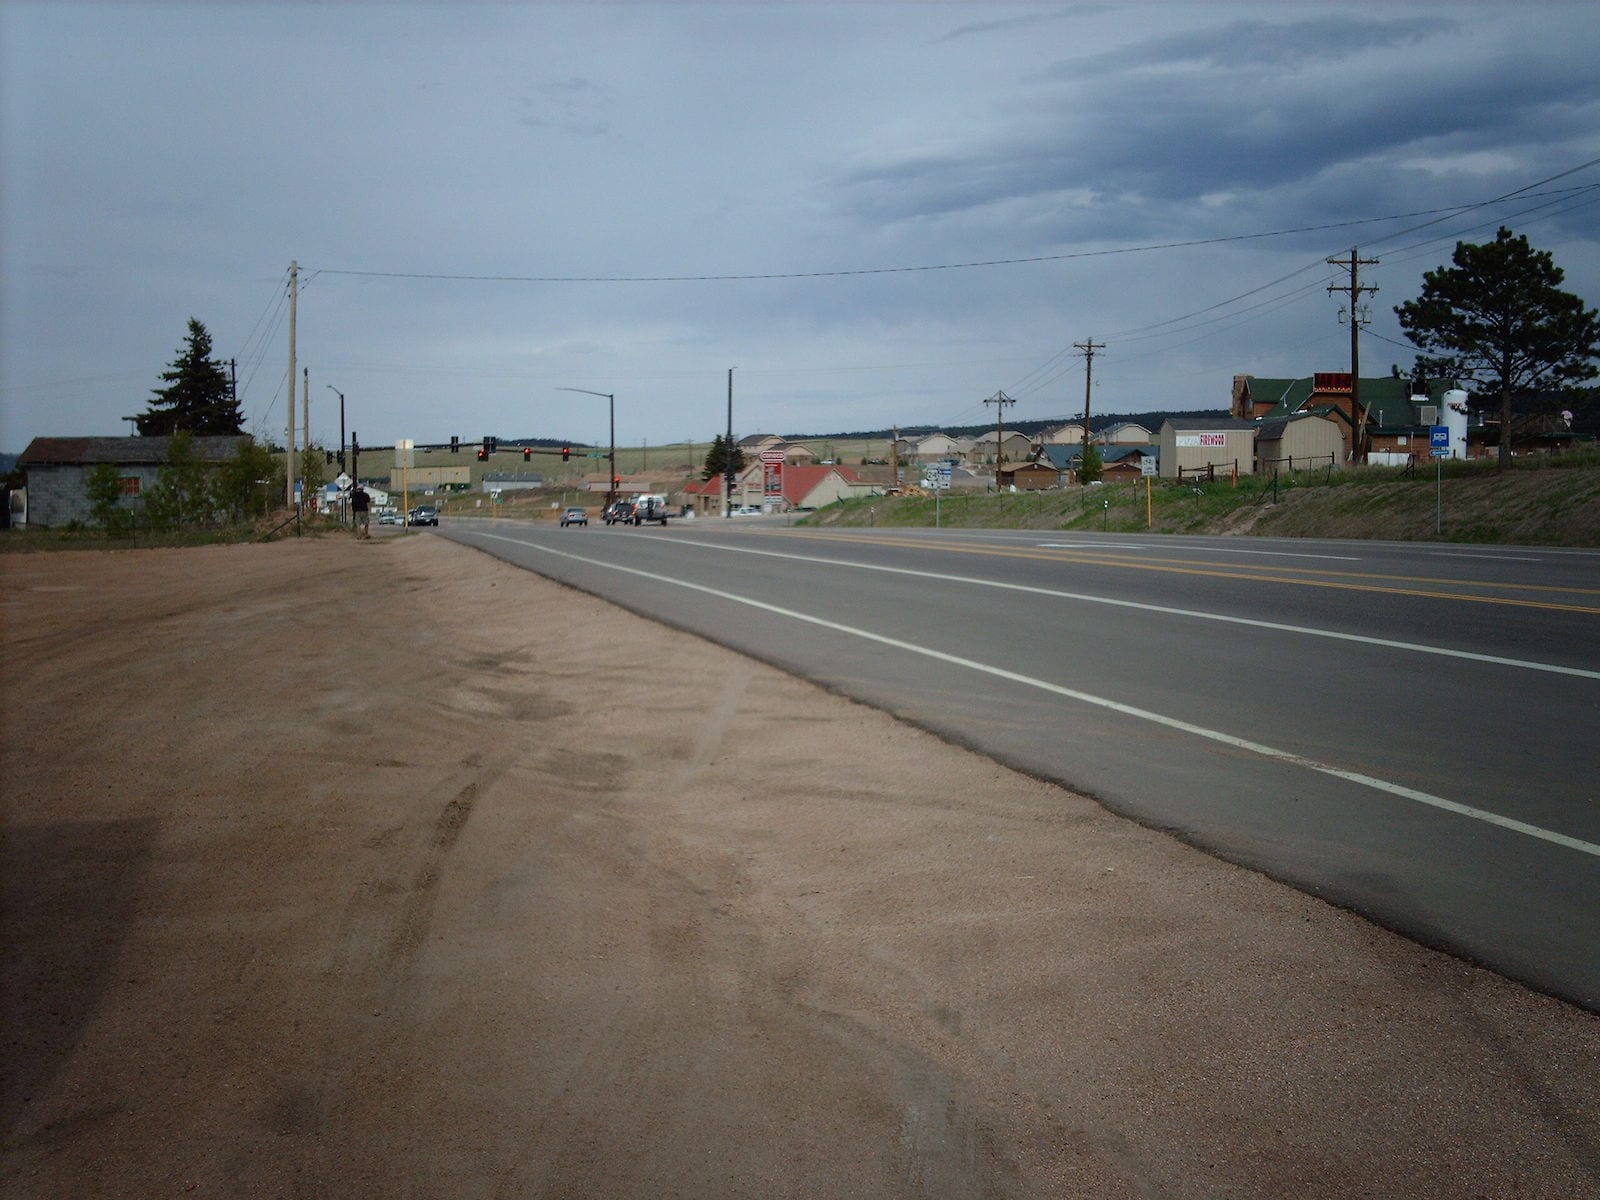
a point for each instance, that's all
(423, 514)
(620, 513)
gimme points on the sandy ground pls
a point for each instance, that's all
(384, 869)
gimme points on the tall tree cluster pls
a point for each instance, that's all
(197, 397)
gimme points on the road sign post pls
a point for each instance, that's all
(1439, 447)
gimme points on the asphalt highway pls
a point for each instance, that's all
(1409, 731)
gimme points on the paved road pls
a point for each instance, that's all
(1407, 730)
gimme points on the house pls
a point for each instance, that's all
(1116, 462)
(58, 471)
(802, 486)
(1035, 476)
(1017, 447)
(810, 487)
(1386, 417)
(1207, 446)
(704, 497)
(935, 447)
(1062, 435)
(1125, 433)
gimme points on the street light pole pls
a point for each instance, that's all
(343, 491)
(611, 401)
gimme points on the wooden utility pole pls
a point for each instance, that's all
(1358, 415)
(999, 400)
(288, 452)
(1088, 349)
(728, 473)
(894, 459)
(305, 407)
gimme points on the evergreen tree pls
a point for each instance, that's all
(1499, 316)
(717, 459)
(197, 398)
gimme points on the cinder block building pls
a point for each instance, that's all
(58, 471)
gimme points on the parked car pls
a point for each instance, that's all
(748, 510)
(423, 514)
(620, 513)
(388, 518)
(574, 516)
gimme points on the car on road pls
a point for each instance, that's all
(748, 510)
(423, 514)
(388, 519)
(574, 516)
(620, 513)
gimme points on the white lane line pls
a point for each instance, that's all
(1116, 706)
(1088, 546)
(1165, 610)
(1199, 550)
(1481, 557)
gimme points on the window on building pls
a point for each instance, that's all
(129, 485)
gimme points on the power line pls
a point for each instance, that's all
(959, 266)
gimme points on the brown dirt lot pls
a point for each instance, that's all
(337, 869)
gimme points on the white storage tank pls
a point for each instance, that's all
(1454, 418)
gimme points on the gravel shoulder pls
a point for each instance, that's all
(357, 869)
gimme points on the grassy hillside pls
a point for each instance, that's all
(1534, 504)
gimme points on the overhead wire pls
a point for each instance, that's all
(1155, 330)
(1221, 239)
(1060, 363)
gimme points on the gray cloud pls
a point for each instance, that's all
(1251, 49)
(574, 106)
(1113, 159)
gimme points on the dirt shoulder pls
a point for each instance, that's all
(328, 873)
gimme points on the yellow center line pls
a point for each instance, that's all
(1190, 567)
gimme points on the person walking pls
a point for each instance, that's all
(360, 507)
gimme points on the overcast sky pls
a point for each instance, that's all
(162, 162)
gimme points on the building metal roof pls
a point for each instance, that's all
(121, 451)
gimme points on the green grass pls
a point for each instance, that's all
(1554, 501)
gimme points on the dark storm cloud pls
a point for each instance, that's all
(1113, 159)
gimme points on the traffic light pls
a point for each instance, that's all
(341, 460)
(616, 482)
(488, 444)
(455, 444)
(566, 453)
(483, 453)
(527, 454)
(329, 453)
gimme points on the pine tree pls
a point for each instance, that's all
(717, 459)
(1499, 316)
(197, 398)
